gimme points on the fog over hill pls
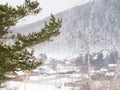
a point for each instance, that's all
(74, 35)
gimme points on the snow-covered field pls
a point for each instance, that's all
(14, 85)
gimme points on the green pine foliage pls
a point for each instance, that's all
(10, 15)
(17, 57)
(50, 29)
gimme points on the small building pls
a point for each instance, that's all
(112, 67)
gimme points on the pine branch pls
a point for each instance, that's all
(50, 29)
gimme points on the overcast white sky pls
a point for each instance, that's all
(48, 7)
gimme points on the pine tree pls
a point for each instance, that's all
(17, 57)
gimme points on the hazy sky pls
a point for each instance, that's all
(48, 7)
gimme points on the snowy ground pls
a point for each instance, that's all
(32, 86)
(36, 84)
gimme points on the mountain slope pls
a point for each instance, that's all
(105, 32)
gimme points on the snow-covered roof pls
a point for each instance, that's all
(112, 65)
